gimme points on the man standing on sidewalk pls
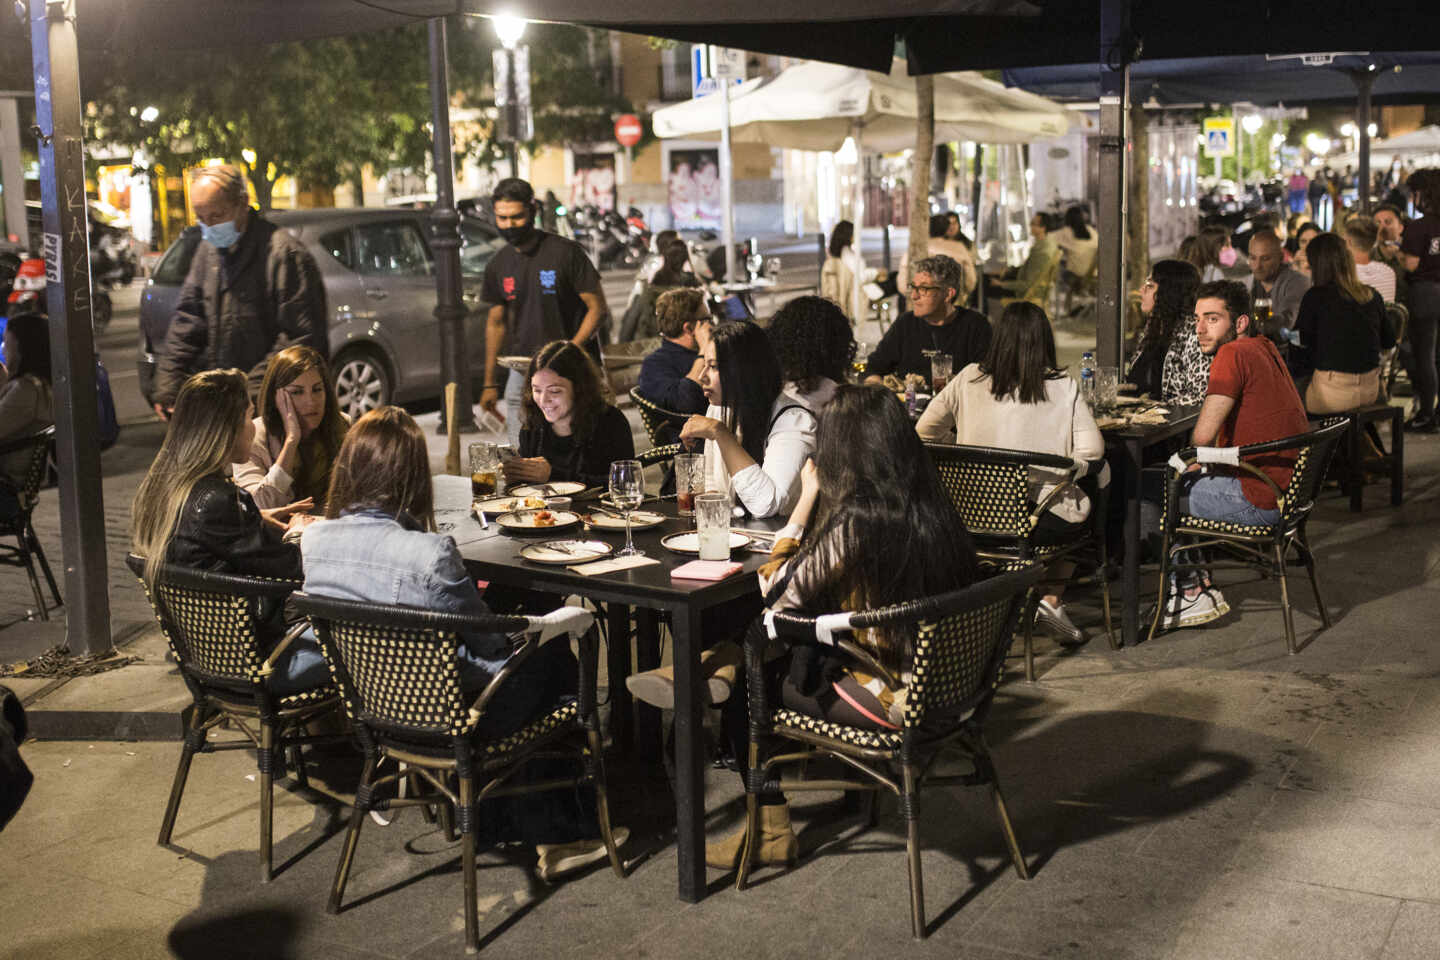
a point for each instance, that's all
(252, 291)
(543, 288)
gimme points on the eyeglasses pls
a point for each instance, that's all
(916, 289)
(1149, 284)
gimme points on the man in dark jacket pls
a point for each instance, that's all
(932, 325)
(252, 291)
(670, 377)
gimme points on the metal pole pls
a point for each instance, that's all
(975, 189)
(727, 182)
(1114, 109)
(445, 238)
(513, 109)
(12, 179)
(1364, 80)
(66, 243)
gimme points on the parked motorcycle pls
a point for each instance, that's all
(614, 240)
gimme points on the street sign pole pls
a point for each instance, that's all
(727, 174)
(1115, 58)
(66, 243)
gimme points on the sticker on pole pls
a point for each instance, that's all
(1219, 137)
(52, 257)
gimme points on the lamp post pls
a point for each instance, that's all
(510, 29)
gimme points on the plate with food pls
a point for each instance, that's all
(639, 520)
(560, 488)
(537, 521)
(561, 552)
(689, 541)
(494, 506)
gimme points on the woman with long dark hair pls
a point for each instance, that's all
(1343, 326)
(1077, 238)
(837, 273)
(570, 432)
(1169, 364)
(872, 527)
(1212, 253)
(1017, 398)
(298, 432)
(1420, 251)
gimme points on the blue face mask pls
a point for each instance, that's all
(221, 235)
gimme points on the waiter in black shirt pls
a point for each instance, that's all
(543, 288)
(933, 324)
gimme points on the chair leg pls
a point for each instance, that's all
(266, 763)
(1029, 615)
(467, 863)
(45, 567)
(910, 808)
(752, 820)
(872, 809)
(1285, 598)
(1164, 583)
(602, 801)
(1102, 574)
(297, 765)
(352, 837)
(997, 796)
(1397, 460)
(1309, 558)
(194, 740)
(29, 560)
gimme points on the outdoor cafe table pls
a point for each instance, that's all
(1131, 442)
(497, 559)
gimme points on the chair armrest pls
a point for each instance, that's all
(564, 621)
(1181, 462)
(291, 635)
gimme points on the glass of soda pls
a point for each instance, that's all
(689, 480)
(484, 469)
(941, 366)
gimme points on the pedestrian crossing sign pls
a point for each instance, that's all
(1219, 137)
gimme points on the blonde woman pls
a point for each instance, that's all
(189, 513)
(297, 434)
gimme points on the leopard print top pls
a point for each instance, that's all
(1185, 373)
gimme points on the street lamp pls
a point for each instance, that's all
(1252, 122)
(510, 28)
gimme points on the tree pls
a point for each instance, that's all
(921, 160)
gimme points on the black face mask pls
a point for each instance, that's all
(518, 236)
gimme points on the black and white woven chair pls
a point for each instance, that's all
(27, 550)
(661, 425)
(1265, 547)
(990, 487)
(209, 621)
(958, 642)
(399, 676)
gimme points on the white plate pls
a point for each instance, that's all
(523, 521)
(562, 552)
(639, 520)
(561, 488)
(494, 506)
(689, 542)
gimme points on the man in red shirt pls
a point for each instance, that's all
(1251, 399)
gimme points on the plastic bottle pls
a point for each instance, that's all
(1087, 377)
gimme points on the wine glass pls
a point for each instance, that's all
(627, 491)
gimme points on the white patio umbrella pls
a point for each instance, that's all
(816, 106)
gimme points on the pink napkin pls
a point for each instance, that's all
(706, 570)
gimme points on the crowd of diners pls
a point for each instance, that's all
(282, 484)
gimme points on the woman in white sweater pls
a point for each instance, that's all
(1018, 399)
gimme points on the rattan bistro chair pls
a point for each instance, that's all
(27, 549)
(398, 672)
(209, 622)
(958, 643)
(1265, 547)
(661, 425)
(990, 487)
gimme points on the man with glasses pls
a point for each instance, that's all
(933, 325)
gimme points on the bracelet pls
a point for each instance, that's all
(491, 386)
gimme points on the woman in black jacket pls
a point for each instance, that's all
(570, 432)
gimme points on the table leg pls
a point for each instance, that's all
(689, 754)
(617, 664)
(1397, 458)
(1130, 601)
(648, 741)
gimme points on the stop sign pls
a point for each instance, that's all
(628, 130)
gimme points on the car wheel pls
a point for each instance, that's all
(362, 382)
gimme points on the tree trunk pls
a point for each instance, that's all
(357, 185)
(1137, 237)
(264, 188)
(922, 158)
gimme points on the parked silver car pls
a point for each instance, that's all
(379, 275)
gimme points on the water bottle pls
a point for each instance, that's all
(1087, 377)
(910, 397)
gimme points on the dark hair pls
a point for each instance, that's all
(841, 237)
(1175, 284)
(675, 308)
(812, 339)
(1075, 220)
(1425, 189)
(1304, 228)
(1189, 251)
(514, 190)
(1236, 297)
(575, 365)
(1332, 265)
(663, 239)
(673, 272)
(317, 451)
(384, 464)
(885, 531)
(1265, 221)
(1362, 230)
(750, 380)
(1022, 354)
(1208, 244)
(1390, 208)
(32, 335)
(939, 223)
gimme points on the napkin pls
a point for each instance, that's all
(611, 565)
(706, 570)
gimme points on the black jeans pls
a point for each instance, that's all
(1420, 357)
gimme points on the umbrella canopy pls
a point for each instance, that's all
(815, 106)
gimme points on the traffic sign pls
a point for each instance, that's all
(1219, 137)
(628, 130)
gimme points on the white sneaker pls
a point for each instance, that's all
(1058, 622)
(1185, 611)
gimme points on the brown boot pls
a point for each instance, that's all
(719, 665)
(778, 844)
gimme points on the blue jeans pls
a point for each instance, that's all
(514, 393)
(1217, 497)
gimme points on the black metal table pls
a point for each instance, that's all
(1132, 442)
(649, 588)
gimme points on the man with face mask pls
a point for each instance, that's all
(542, 288)
(252, 291)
